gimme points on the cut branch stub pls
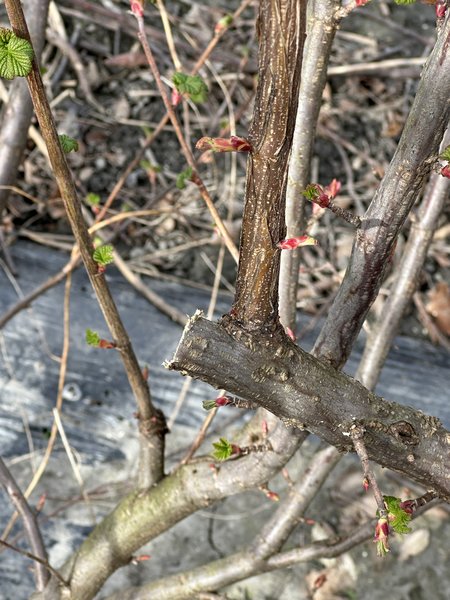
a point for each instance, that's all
(281, 33)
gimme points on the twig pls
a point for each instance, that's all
(30, 524)
(254, 558)
(388, 210)
(357, 435)
(58, 405)
(151, 425)
(184, 147)
(169, 37)
(19, 109)
(47, 566)
(406, 278)
(343, 213)
(321, 32)
(344, 11)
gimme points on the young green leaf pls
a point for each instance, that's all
(222, 449)
(398, 518)
(192, 86)
(92, 338)
(92, 199)
(68, 144)
(16, 55)
(104, 255)
(445, 155)
(183, 177)
(404, 1)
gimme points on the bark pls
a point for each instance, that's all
(270, 370)
(398, 191)
(281, 33)
(18, 111)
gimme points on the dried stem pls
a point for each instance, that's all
(30, 524)
(182, 141)
(152, 425)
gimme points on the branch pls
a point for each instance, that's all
(252, 560)
(269, 369)
(18, 111)
(321, 31)
(407, 277)
(113, 542)
(30, 524)
(281, 37)
(151, 421)
(393, 200)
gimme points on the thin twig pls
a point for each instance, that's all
(357, 435)
(47, 566)
(151, 420)
(184, 147)
(30, 524)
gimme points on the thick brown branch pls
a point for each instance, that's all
(269, 369)
(394, 199)
(281, 36)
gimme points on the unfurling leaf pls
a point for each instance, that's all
(16, 55)
(92, 338)
(297, 242)
(223, 24)
(183, 177)
(404, 1)
(68, 144)
(104, 255)
(445, 154)
(222, 449)
(92, 199)
(192, 86)
(398, 517)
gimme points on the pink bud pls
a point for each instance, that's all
(333, 189)
(232, 144)
(176, 97)
(222, 401)
(137, 7)
(361, 2)
(441, 9)
(408, 506)
(272, 496)
(365, 484)
(296, 242)
(381, 536)
(290, 333)
(264, 427)
(445, 171)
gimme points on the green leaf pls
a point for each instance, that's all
(209, 404)
(398, 518)
(222, 449)
(183, 177)
(68, 144)
(445, 154)
(311, 192)
(92, 338)
(104, 255)
(404, 1)
(192, 85)
(16, 55)
(92, 199)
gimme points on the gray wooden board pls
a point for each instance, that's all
(100, 425)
